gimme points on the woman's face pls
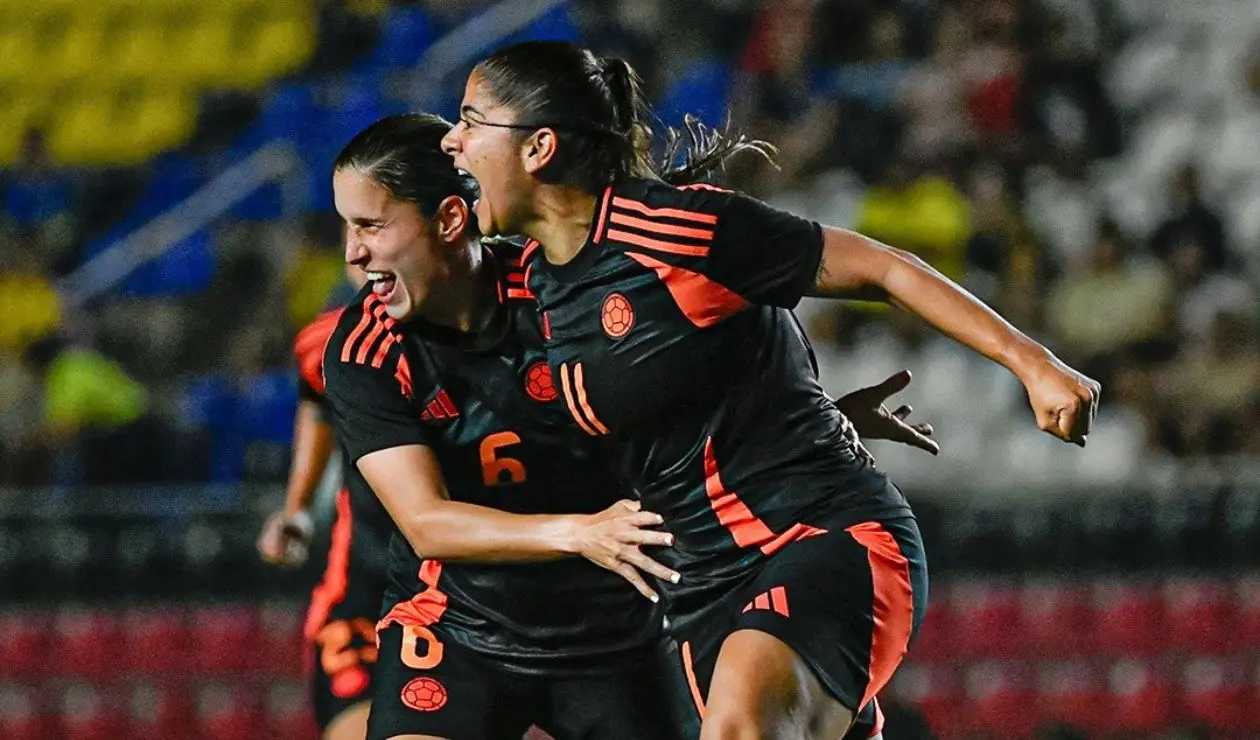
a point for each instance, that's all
(402, 253)
(495, 156)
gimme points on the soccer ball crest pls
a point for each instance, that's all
(617, 316)
(539, 384)
(424, 694)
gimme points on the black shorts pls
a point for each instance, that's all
(848, 602)
(433, 686)
(341, 626)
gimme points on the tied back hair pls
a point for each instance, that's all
(603, 119)
(403, 154)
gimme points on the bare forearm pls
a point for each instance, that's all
(453, 530)
(312, 447)
(855, 266)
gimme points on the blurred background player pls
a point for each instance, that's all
(340, 623)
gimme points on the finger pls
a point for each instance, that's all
(893, 384)
(644, 519)
(926, 429)
(907, 434)
(630, 504)
(635, 557)
(652, 537)
(903, 411)
(627, 571)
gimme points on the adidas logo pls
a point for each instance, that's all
(439, 408)
(774, 599)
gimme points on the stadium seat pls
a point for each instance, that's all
(997, 701)
(23, 645)
(276, 45)
(1200, 616)
(88, 714)
(1127, 619)
(282, 651)
(933, 689)
(1072, 693)
(156, 641)
(160, 710)
(84, 642)
(935, 638)
(1054, 619)
(1247, 609)
(407, 32)
(985, 619)
(224, 639)
(702, 90)
(21, 715)
(1212, 694)
(228, 712)
(288, 713)
(1142, 699)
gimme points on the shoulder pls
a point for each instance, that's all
(308, 348)
(365, 337)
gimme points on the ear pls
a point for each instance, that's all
(539, 149)
(451, 218)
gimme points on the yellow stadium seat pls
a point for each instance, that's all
(77, 52)
(204, 50)
(111, 128)
(19, 113)
(19, 53)
(274, 47)
(142, 51)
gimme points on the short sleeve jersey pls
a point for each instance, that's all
(493, 417)
(370, 525)
(671, 335)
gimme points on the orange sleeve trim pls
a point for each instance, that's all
(893, 603)
(581, 397)
(358, 329)
(519, 293)
(704, 186)
(695, 216)
(662, 228)
(603, 213)
(703, 301)
(687, 250)
(690, 672)
(332, 587)
(567, 387)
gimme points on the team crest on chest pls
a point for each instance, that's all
(539, 384)
(617, 315)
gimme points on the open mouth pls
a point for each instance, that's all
(382, 283)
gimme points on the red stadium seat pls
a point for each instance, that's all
(229, 713)
(932, 689)
(88, 714)
(156, 642)
(1211, 693)
(985, 619)
(934, 640)
(1142, 699)
(1250, 698)
(1127, 619)
(224, 639)
(1072, 693)
(1054, 620)
(997, 701)
(160, 710)
(289, 715)
(282, 650)
(21, 715)
(1200, 616)
(23, 644)
(1247, 610)
(85, 643)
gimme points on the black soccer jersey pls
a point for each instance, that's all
(671, 336)
(370, 525)
(494, 418)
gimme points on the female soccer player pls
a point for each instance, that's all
(347, 602)
(667, 308)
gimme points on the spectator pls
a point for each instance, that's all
(38, 198)
(1203, 294)
(1194, 220)
(933, 98)
(1116, 306)
(29, 304)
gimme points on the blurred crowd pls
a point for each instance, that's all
(975, 133)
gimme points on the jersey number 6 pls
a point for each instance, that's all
(498, 470)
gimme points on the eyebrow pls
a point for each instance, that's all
(364, 221)
(466, 109)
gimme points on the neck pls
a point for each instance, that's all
(563, 221)
(465, 298)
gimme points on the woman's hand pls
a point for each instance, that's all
(871, 419)
(1064, 400)
(285, 538)
(612, 539)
